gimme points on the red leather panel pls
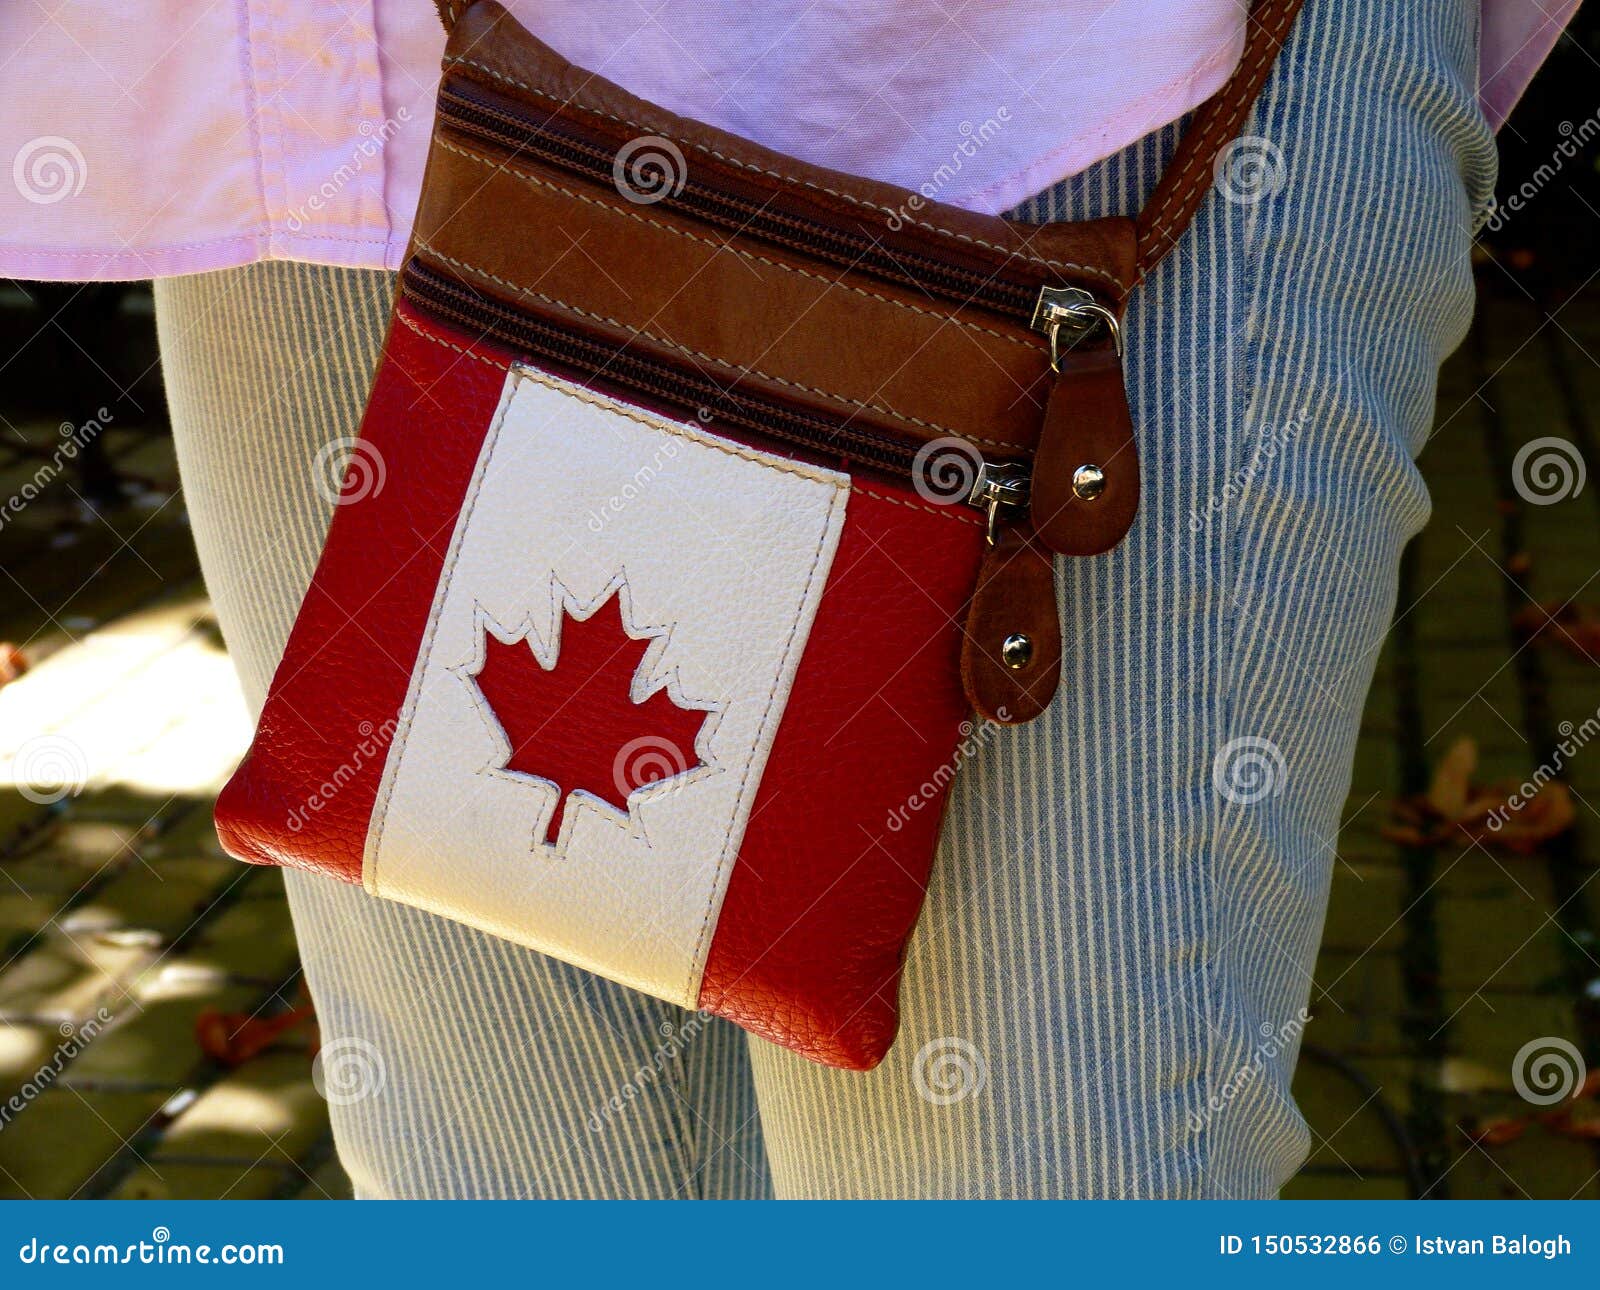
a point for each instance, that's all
(304, 794)
(808, 945)
(834, 865)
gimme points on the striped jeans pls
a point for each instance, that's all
(1106, 992)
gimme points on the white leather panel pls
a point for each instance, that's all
(721, 554)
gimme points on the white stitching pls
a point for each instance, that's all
(1041, 261)
(403, 738)
(1183, 187)
(697, 963)
(700, 353)
(1027, 342)
(919, 506)
(734, 450)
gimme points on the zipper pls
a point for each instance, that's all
(481, 113)
(1065, 315)
(1000, 491)
(692, 393)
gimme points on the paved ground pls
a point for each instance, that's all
(123, 930)
(1440, 962)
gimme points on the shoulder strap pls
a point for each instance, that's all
(1215, 124)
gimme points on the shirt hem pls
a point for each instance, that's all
(40, 264)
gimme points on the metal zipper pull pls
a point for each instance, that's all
(1067, 315)
(1001, 492)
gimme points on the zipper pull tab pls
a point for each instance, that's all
(1011, 645)
(1084, 489)
(1001, 492)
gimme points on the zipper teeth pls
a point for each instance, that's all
(907, 268)
(442, 296)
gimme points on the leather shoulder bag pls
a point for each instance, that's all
(703, 499)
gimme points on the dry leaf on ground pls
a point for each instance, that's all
(1499, 816)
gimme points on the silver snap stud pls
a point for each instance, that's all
(1016, 651)
(1088, 482)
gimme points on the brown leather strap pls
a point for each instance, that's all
(1011, 645)
(1189, 175)
(1218, 120)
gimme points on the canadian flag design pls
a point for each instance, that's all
(590, 529)
(626, 691)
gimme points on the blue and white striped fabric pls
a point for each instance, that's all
(1106, 994)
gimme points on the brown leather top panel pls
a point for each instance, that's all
(741, 308)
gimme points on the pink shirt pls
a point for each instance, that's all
(163, 136)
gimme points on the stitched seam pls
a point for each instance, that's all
(733, 450)
(766, 715)
(1041, 261)
(917, 506)
(247, 78)
(710, 358)
(1184, 188)
(610, 405)
(1159, 219)
(1216, 915)
(462, 520)
(1026, 342)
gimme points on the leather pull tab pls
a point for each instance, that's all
(1011, 654)
(1085, 488)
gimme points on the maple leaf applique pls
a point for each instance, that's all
(576, 724)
